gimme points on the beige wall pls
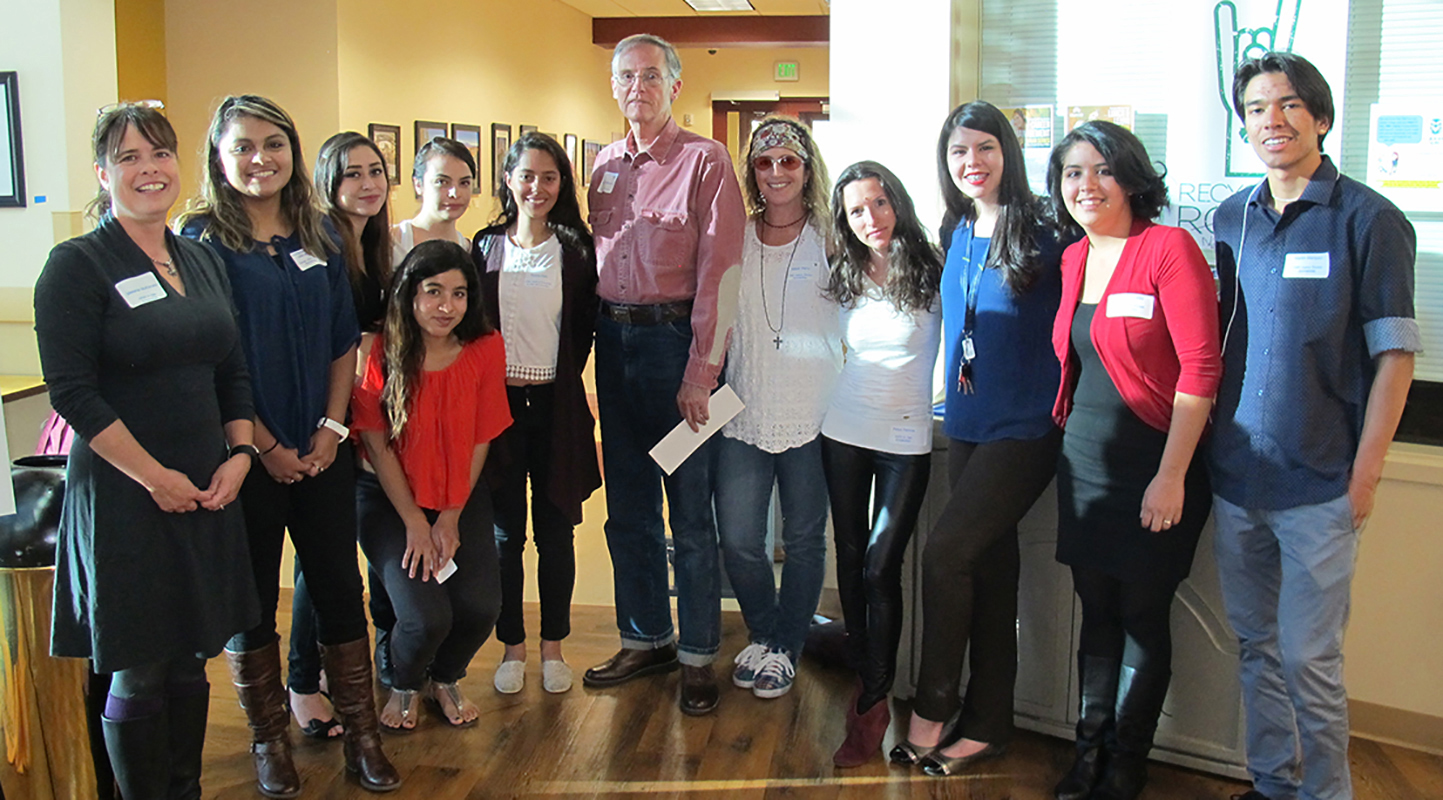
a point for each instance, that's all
(140, 49)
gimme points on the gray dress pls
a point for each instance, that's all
(134, 584)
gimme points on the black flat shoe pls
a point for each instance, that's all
(940, 766)
(910, 755)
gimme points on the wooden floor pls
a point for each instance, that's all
(632, 741)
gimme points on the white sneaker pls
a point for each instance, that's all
(555, 675)
(774, 675)
(748, 661)
(510, 677)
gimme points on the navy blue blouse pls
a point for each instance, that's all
(1014, 373)
(297, 315)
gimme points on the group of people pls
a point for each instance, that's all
(1083, 342)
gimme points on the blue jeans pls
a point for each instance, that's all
(1287, 583)
(744, 478)
(639, 371)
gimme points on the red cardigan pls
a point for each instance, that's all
(1149, 360)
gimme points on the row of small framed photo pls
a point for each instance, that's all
(388, 139)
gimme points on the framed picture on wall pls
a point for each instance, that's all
(388, 139)
(572, 151)
(500, 143)
(589, 152)
(525, 129)
(470, 137)
(12, 157)
(426, 131)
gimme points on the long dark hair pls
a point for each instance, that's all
(373, 257)
(109, 132)
(565, 218)
(1014, 241)
(914, 271)
(220, 205)
(1131, 168)
(405, 353)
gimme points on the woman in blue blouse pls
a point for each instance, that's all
(1000, 290)
(298, 329)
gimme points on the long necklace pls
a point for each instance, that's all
(786, 279)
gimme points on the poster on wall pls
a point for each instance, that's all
(12, 160)
(1033, 126)
(1116, 114)
(1405, 153)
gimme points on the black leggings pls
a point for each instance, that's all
(319, 513)
(439, 626)
(871, 538)
(970, 568)
(1126, 621)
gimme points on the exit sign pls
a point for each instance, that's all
(787, 71)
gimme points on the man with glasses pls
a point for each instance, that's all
(667, 215)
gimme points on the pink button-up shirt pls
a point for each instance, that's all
(668, 224)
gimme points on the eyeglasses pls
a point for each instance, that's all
(764, 163)
(649, 79)
(155, 105)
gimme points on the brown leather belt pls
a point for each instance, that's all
(654, 314)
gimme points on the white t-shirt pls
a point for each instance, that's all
(403, 239)
(883, 399)
(786, 387)
(529, 294)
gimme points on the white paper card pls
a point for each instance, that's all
(1130, 304)
(906, 434)
(608, 182)
(539, 280)
(674, 448)
(140, 290)
(1305, 265)
(304, 260)
(445, 572)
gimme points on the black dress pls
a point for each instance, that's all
(1109, 456)
(134, 584)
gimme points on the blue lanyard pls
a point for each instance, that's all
(972, 288)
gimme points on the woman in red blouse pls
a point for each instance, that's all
(1137, 337)
(432, 399)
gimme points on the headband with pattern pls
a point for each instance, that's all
(778, 134)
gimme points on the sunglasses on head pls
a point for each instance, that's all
(764, 163)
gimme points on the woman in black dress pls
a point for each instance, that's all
(1137, 338)
(140, 349)
(298, 328)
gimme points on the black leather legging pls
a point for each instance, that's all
(875, 499)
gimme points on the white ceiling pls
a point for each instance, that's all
(679, 8)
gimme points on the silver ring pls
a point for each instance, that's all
(1167, 522)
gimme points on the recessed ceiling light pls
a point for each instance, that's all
(720, 5)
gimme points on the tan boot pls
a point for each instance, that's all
(257, 678)
(348, 667)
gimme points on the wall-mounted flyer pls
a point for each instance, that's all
(1405, 153)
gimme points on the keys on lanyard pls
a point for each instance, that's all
(964, 364)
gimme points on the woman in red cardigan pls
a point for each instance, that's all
(1137, 337)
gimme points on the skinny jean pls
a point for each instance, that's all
(530, 440)
(970, 567)
(875, 498)
(319, 513)
(439, 626)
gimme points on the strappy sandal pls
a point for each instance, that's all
(407, 702)
(321, 729)
(453, 693)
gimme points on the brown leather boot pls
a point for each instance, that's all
(348, 668)
(257, 678)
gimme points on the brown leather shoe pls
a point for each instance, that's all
(257, 678)
(698, 690)
(628, 664)
(348, 668)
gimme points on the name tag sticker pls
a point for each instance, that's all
(906, 434)
(140, 290)
(803, 272)
(608, 182)
(1130, 304)
(539, 280)
(304, 260)
(1306, 265)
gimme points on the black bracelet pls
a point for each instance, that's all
(273, 446)
(247, 448)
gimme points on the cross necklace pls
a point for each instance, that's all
(786, 279)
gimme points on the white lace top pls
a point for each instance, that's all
(403, 239)
(883, 399)
(785, 387)
(529, 295)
